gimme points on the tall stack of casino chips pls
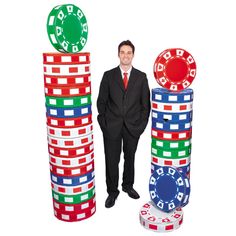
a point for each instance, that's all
(67, 84)
(171, 129)
(169, 184)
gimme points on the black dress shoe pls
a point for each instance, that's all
(131, 192)
(110, 201)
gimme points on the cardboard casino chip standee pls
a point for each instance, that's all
(67, 83)
(169, 184)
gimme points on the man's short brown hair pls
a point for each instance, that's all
(128, 43)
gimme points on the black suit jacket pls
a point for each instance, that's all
(118, 107)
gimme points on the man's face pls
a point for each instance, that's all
(126, 55)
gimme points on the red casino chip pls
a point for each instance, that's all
(78, 90)
(70, 152)
(61, 80)
(171, 162)
(70, 217)
(69, 122)
(75, 171)
(71, 132)
(156, 220)
(160, 134)
(70, 143)
(76, 69)
(172, 107)
(71, 162)
(175, 69)
(66, 58)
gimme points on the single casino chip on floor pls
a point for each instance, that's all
(152, 218)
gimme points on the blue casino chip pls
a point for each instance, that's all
(170, 126)
(68, 112)
(166, 96)
(72, 180)
(182, 169)
(166, 117)
(187, 189)
(167, 188)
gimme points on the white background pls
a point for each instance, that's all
(204, 28)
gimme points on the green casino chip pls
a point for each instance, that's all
(67, 28)
(73, 199)
(65, 102)
(172, 154)
(170, 144)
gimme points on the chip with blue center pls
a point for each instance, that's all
(167, 188)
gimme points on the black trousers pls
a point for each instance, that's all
(112, 156)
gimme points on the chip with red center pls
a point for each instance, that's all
(175, 69)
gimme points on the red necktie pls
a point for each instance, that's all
(125, 80)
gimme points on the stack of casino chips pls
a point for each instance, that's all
(69, 115)
(169, 184)
(70, 138)
(171, 139)
(171, 129)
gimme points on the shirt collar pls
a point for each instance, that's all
(128, 71)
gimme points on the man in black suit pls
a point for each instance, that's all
(123, 105)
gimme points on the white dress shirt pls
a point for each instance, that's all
(128, 71)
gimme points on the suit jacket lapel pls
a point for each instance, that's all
(119, 79)
(132, 79)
